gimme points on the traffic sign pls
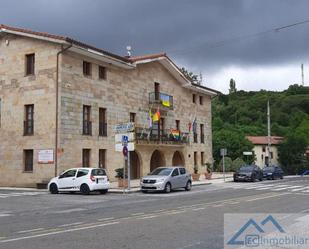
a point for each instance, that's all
(223, 152)
(125, 151)
(247, 153)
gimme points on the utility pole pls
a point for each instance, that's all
(302, 74)
(268, 134)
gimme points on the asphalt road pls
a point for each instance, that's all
(180, 220)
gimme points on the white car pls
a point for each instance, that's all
(83, 180)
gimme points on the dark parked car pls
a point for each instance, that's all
(273, 172)
(248, 173)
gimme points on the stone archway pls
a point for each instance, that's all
(157, 160)
(135, 165)
(178, 159)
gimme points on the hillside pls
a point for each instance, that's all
(245, 113)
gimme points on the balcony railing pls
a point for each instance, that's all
(163, 137)
(162, 99)
(87, 127)
(28, 127)
(103, 129)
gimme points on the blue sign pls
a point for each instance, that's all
(125, 139)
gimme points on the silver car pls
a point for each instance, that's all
(166, 179)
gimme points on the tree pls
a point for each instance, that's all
(292, 154)
(190, 76)
(232, 86)
(228, 164)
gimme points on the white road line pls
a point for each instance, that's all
(31, 230)
(197, 209)
(147, 217)
(284, 188)
(5, 215)
(266, 197)
(137, 214)
(69, 210)
(71, 224)
(57, 232)
(105, 219)
(299, 189)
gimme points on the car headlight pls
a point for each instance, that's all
(161, 180)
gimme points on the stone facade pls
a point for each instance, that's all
(124, 91)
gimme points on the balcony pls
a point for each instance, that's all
(165, 137)
(87, 128)
(103, 129)
(28, 127)
(162, 100)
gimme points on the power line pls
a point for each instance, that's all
(234, 39)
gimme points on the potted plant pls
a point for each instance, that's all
(208, 172)
(122, 183)
(196, 175)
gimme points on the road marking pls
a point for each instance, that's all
(299, 189)
(69, 210)
(266, 197)
(137, 214)
(218, 205)
(71, 224)
(31, 230)
(290, 187)
(57, 232)
(147, 217)
(105, 219)
(5, 215)
(197, 209)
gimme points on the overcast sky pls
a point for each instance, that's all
(220, 39)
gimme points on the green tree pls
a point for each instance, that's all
(228, 164)
(232, 86)
(237, 163)
(190, 76)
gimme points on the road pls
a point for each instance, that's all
(179, 220)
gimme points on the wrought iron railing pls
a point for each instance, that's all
(164, 100)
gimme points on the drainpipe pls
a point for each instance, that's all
(57, 106)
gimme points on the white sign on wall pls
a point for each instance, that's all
(130, 146)
(46, 156)
(124, 127)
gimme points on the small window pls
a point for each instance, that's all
(195, 158)
(69, 173)
(201, 100)
(30, 61)
(0, 112)
(132, 116)
(202, 158)
(29, 120)
(86, 158)
(102, 155)
(102, 122)
(28, 160)
(182, 171)
(175, 172)
(194, 98)
(87, 125)
(178, 125)
(102, 73)
(87, 68)
(82, 172)
(263, 148)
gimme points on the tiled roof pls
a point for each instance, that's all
(263, 140)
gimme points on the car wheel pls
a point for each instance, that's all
(253, 178)
(103, 191)
(235, 180)
(188, 186)
(281, 177)
(168, 188)
(84, 189)
(144, 191)
(273, 177)
(53, 189)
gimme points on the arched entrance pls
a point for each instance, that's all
(135, 165)
(178, 159)
(157, 160)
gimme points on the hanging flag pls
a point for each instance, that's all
(165, 100)
(176, 134)
(156, 116)
(149, 117)
(190, 126)
(194, 126)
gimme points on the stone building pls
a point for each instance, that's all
(262, 155)
(60, 99)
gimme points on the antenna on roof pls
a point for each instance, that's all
(129, 51)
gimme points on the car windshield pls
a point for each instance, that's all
(246, 169)
(98, 172)
(269, 169)
(161, 172)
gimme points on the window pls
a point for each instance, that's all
(175, 172)
(28, 120)
(86, 158)
(178, 125)
(201, 100)
(263, 148)
(195, 158)
(161, 126)
(271, 155)
(86, 120)
(69, 173)
(28, 160)
(30, 61)
(132, 116)
(87, 68)
(102, 73)
(182, 171)
(202, 158)
(194, 137)
(157, 90)
(102, 122)
(102, 155)
(98, 172)
(82, 172)
(194, 98)
(202, 133)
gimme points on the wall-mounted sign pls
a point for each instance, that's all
(124, 127)
(247, 153)
(46, 156)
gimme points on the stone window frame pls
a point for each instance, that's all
(87, 68)
(28, 165)
(102, 72)
(30, 64)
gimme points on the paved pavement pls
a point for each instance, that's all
(180, 220)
